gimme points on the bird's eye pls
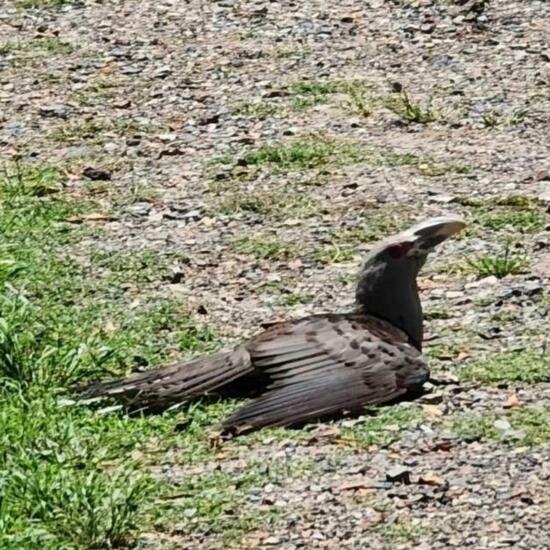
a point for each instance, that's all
(399, 250)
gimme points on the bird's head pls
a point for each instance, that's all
(407, 251)
(387, 283)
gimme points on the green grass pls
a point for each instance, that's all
(69, 477)
(98, 90)
(57, 485)
(529, 426)
(8, 47)
(284, 52)
(135, 266)
(342, 243)
(520, 366)
(27, 53)
(302, 153)
(216, 503)
(523, 219)
(51, 45)
(435, 169)
(359, 100)
(75, 477)
(307, 94)
(266, 247)
(401, 532)
(499, 265)
(256, 109)
(383, 427)
(77, 131)
(43, 3)
(336, 253)
(292, 298)
(19, 182)
(95, 131)
(275, 205)
(492, 119)
(318, 151)
(410, 111)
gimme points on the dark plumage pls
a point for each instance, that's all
(320, 365)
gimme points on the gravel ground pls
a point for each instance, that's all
(151, 108)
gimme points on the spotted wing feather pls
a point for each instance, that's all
(325, 365)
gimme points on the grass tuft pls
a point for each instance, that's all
(513, 366)
(520, 218)
(256, 109)
(383, 427)
(529, 426)
(19, 181)
(26, 4)
(71, 478)
(303, 153)
(359, 101)
(500, 265)
(492, 119)
(276, 205)
(408, 110)
(51, 45)
(265, 247)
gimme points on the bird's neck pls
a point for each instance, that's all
(394, 298)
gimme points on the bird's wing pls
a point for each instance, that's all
(159, 388)
(323, 365)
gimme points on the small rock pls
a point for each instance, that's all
(512, 402)
(210, 119)
(432, 398)
(432, 410)
(502, 425)
(486, 281)
(431, 479)
(399, 474)
(57, 110)
(275, 93)
(443, 199)
(396, 87)
(110, 148)
(541, 175)
(176, 276)
(96, 174)
(295, 264)
(324, 433)
(140, 208)
(124, 104)
(355, 484)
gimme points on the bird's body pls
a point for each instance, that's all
(320, 365)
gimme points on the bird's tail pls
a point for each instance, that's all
(174, 384)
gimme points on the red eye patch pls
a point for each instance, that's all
(399, 250)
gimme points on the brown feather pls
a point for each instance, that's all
(176, 383)
(342, 365)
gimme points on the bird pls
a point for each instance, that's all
(323, 365)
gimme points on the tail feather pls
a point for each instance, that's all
(175, 384)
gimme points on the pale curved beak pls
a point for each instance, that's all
(428, 234)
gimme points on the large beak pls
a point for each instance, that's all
(428, 234)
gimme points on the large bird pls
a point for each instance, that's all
(317, 366)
